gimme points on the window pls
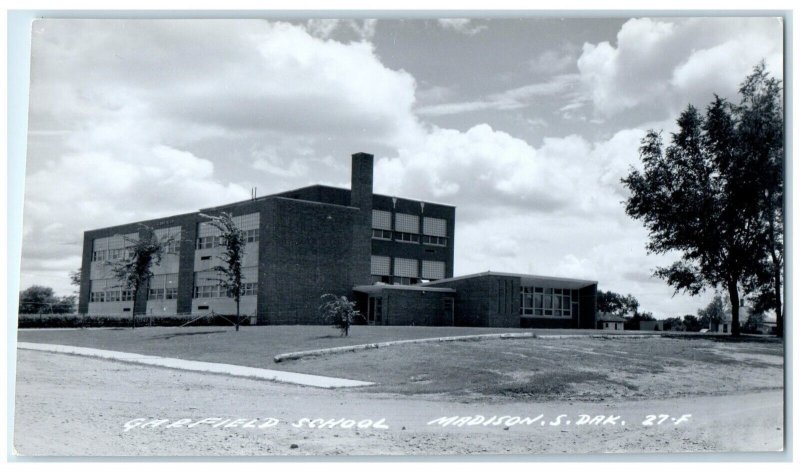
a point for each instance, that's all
(406, 267)
(127, 295)
(379, 265)
(548, 302)
(172, 247)
(434, 240)
(434, 227)
(249, 288)
(381, 234)
(171, 238)
(98, 255)
(251, 236)
(382, 220)
(163, 287)
(406, 237)
(117, 254)
(96, 297)
(207, 242)
(433, 270)
(405, 223)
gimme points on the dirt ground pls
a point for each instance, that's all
(69, 405)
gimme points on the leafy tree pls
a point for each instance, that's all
(713, 313)
(691, 323)
(674, 324)
(233, 240)
(135, 270)
(751, 325)
(75, 278)
(616, 304)
(699, 197)
(761, 137)
(339, 311)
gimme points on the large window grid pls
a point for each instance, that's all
(207, 284)
(406, 267)
(163, 287)
(108, 290)
(433, 270)
(208, 236)
(171, 238)
(112, 247)
(379, 265)
(548, 302)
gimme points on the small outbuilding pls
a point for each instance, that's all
(606, 321)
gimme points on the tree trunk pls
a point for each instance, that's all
(237, 313)
(733, 292)
(776, 270)
(778, 307)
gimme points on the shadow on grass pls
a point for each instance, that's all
(175, 335)
(744, 338)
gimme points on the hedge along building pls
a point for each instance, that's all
(393, 255)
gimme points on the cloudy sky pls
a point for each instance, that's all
(526, 125)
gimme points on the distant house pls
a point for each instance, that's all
(607, 321)
(768, 326)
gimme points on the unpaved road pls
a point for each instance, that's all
(68, 405)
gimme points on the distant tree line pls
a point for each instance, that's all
(38, 299)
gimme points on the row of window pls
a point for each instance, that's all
(409, 268)
(208, 242)
(217, 291)
(555, 302)
(170, 293)
(406, 228)
(111, 296)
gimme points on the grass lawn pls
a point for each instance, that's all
(574, 368)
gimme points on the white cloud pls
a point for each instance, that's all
(513, 99)
(326, 28)
(461, 25)
(660, 65)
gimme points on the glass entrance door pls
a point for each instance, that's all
(375, 311)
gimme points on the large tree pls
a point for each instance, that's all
(760, 140)
(134, 271)
(696, 198)
(233, 240)
(616, 304)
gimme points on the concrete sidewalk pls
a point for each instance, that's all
(197, 366)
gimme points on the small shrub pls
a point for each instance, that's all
(339, 311)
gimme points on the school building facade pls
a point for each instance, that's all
(394, 256)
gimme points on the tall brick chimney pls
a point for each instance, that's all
(361, 181)
(361, 198)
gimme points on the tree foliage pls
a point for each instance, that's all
(713, 313)
(616, 304)
(339, 311)
(761, 132)
(134, 271)
(233, 240)
(38, 299)
(702, 196)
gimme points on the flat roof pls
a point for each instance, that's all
(411, 288)
(575, 282)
